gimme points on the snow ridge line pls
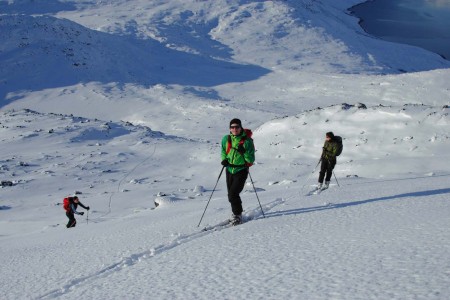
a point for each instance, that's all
(136, 258)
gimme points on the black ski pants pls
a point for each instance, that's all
(72, 221)
(326, 167)
(235, 185)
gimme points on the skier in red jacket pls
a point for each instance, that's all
(70, 205)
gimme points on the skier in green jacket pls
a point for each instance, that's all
(238, 154)
(328, 160)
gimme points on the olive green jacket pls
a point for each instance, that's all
(329, 150)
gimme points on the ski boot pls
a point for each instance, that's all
(325, 186)
(236, 220)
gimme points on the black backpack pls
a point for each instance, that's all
(338, 141)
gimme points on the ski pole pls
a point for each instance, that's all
(211, 196)
(307, 179)
(87, 217)
(336, 179)
(251, 179)
(329, 163)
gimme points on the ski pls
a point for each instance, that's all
(226, 224)
(317, 190)
(221, 225)
(314, 191)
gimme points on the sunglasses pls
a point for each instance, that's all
(235, 127)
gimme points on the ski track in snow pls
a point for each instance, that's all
(137, 257)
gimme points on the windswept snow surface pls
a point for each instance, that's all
(125, 103)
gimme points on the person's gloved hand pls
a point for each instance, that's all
(241, 149)
(88, 208)
(225, 163)
(81, 213)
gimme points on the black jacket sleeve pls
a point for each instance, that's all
(81, 204)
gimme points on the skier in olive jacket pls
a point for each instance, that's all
(328, 160)
(238, 154)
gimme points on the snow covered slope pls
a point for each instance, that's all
(378, 141)
(125, 102)
(367, 238)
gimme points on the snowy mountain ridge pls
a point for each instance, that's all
(55, 52)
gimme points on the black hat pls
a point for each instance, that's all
(236, 121)
(330, 135)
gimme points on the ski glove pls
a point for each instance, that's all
(241, 149)
(225, 163)
(81, 213)
(87, 208)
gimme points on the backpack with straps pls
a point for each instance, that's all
(66, 204)
(248, 134)
(340, 146)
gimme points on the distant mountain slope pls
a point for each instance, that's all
(41, 52)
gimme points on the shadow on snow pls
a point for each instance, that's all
(348, 204)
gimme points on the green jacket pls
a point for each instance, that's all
(238, 160)
(329, 150)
